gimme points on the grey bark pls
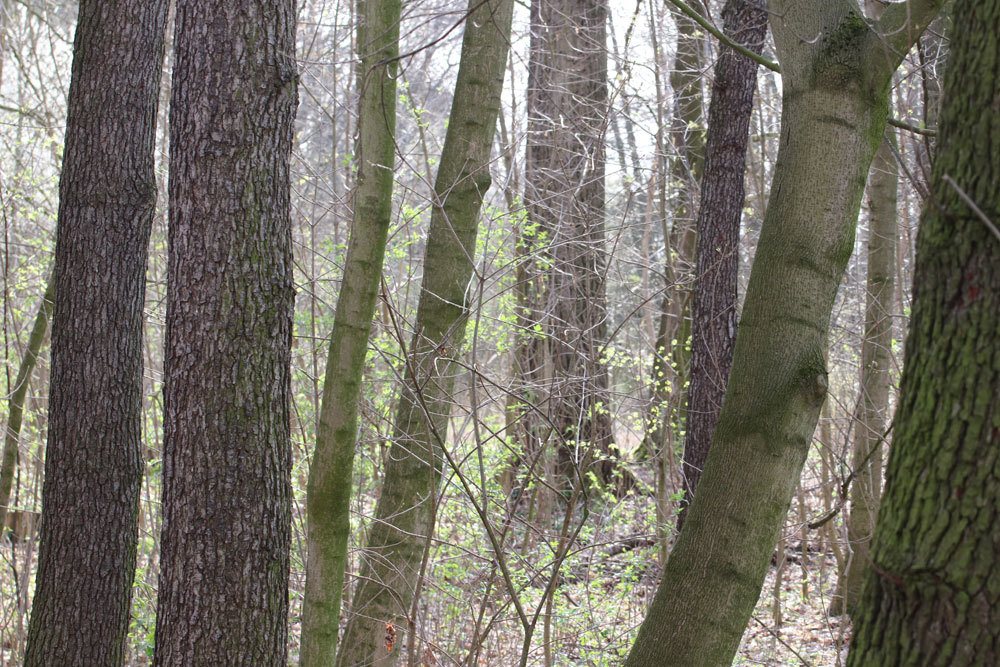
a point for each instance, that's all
(328, 494)
(93, 463)
(381, 621)
(713, 327)
(223, 588)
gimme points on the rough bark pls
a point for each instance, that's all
(835, 105)
(399, 537)
(932, 595)
(713, 327)
(223, 587)
(93, 464)
(872, 412)
(15, 404)
(331, 470)
(564, 197)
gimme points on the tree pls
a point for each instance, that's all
(93, 463)
(836, 69)
(932, 592)
(713, 327)
(872, 411)
(328, 494)
(565, 378)
(399, 539)
(15, 409)
(223, 588)
(678, 195)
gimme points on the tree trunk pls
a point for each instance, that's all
(713, 329)
(93, 463)
(932, 595)
(835, 104)
(328, 495)
(399, 538)
(15, 404)
(876, 361)
(223, 588)
(564, 197)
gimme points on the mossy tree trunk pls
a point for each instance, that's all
(381, 621)
(932, 595)
(223, 586)
(328, 495)
(713, 326)
(871, 416)
(15, 404)
(835, 104)
(93, 461)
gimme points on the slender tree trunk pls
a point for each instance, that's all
(93, 462)
(564, 197)
(713, 329)
(15, 404)
(328, 496)
(681, 187)
(223, 588)
(381, 613)
(835, 104)
(932, 595)
(876, 360)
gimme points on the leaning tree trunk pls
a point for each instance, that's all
(328, 495)
(93, 462)
(713, 326)
(932, 595)
(381, 617)
(223, 588)
(876, 360)
(835, 104)
(564, 196)
(15, 404)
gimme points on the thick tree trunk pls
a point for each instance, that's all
(713, 328)
(835, 104)
(381, 613)
(564, 197)
(932, 595)
(223, 588)
(876, 361)
(93, 463)
(328, 495)
(15, 404)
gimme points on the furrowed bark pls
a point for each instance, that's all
(328, 494)
(93, 462)
(834, 111)
(404, 517)
(932, 594)
(713, 329)
(223, 586)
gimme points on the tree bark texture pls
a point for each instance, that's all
(713, 327)
(223, 588)
(932, 595)
(399, 537)
(835, 105)
(15, 404)
(328, 495)
(564, 174)
(93, 463)
(872, 414)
